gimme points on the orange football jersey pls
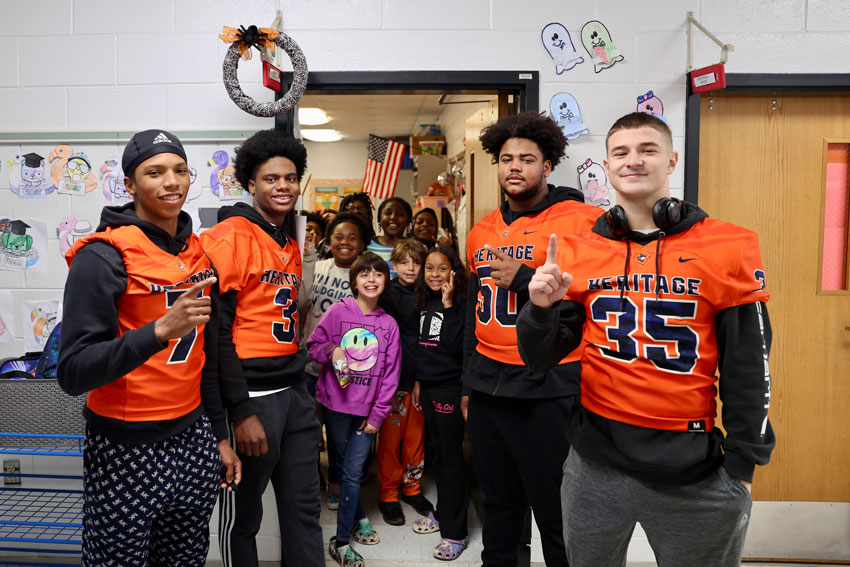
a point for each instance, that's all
(650, 359)
(525, 239)
(168, 385)
(266, 276)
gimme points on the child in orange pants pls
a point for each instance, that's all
(401, 453)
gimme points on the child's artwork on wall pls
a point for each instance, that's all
(218, 162)
(327, 193)
(39, 317)
(72, 172)
(556, 39)
(599, 45)
(229, 188)
(113, 181)
(594, 183)
(71, 229)
(195, 187)
(7, 317)
(23, 242)
(650, 104)
(28, 178)
(564, 110)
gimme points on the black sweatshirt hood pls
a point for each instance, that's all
(555, 195)
(691, 214)
(124, 215)
(244, 210)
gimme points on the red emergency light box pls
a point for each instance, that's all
(708, 78)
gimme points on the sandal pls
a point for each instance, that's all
(364, 533)
(450, 549)
(426, 525)
(345, 555)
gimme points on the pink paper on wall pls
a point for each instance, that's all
(835, 227)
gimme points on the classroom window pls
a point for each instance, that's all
(836, 236)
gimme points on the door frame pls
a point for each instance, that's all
(752, 83)
(525, 82)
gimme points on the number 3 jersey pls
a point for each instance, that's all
(651, 306)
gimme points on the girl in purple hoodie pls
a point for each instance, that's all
(357, 344)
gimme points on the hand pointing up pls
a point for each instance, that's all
(549, 284)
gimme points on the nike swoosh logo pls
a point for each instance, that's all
(685, 259)
(527, 232)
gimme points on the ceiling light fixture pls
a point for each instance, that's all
(312, 116)
(321, 135)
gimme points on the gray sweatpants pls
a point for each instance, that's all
(700, 525)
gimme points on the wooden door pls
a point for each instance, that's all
(762, 164)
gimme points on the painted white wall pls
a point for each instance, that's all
(105, 65)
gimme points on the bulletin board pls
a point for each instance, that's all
(327, 193)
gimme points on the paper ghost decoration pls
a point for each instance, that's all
(27, 177)
(556, 40)
(599, 45)
(594, 183)
(650, 104)
(564, 110)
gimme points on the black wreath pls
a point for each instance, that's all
(267, 109)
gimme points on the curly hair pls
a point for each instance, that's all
(352, 218)
(367, 262)
(318, 219)
(423, 293)
(538, 128)
(360, 197)
(263, 146)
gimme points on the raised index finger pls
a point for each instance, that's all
(196, 289)
(497, 253)
(552, 251)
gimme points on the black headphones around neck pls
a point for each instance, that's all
(666, 212)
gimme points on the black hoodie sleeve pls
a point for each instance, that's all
(210, 388)
(521, 279)
(91, 354)
(470, 341)
(234, 386)
(743, 342)
(546, 336)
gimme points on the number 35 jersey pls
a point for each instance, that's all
(650, 353)
(266, 276)
(525, 239)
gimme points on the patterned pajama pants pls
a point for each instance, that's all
(150, 504)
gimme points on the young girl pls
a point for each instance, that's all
(393, 218)
(330, 284)
(357, 344)
(440, 295)
(401, 451)
(424, 229)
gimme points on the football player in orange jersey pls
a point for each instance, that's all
(273, 415)
(139, 337)
(517, 417)
(664, 299)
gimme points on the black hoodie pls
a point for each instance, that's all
(239, 376)
(669, 457)
(91, 355)
(517, 381)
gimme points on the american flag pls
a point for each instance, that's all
(382, 167)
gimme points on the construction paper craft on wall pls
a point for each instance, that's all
(28, 178)
(556, 39)
(39, 317)
(650, 104)
(71, 229)
(113, 181)
(564, 109)
(219, 161)
(594, 183)
(71, 171)
(7, 317)
(23, 242)
(599, 45)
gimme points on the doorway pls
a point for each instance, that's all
(763, 164)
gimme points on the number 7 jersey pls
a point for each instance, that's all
(525, 239)
(651, 355)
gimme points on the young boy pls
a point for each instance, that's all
(140, 337)
(274, 423)
(667, 297)
(401, 443)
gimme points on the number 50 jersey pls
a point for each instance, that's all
(525, 239)
(267, 276)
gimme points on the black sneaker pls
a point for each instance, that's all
(421, 504)
(392, 513)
